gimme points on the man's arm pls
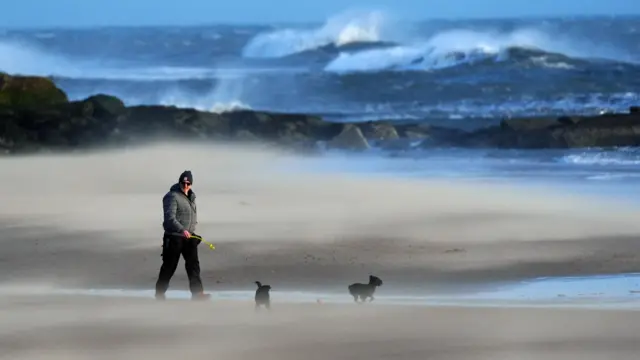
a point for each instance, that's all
(195, 210)
(170, 206)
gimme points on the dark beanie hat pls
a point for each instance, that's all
(186, 175)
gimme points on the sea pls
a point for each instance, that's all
(368, 65)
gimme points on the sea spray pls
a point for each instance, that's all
(457, 47)
(342, 29)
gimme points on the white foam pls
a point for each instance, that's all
(345, 28)
(620, 158)
(527, 105)
(227, 95)
(544, 61)
(611, 176)
(26, 59)
(455, 47)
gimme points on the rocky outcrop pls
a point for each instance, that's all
(35, 115)
(351, 138)
(29, 92)
(607, 130)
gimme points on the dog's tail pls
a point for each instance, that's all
(259, 284)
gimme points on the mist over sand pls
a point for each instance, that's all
(262, 212)
(120, 190)
(93, 220)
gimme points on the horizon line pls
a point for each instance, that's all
(315, 22)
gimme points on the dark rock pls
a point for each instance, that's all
(351, 138)
(609, 121)
(582, 137)
(276, 126)
(416, 135)
(378, 131)
(498, 137)
(398, 145)
(597, 131)
(10, 133)
(568, 120)
(106, 106)
(245, 135)
(528, 124)
(634, 110)
(29, 92)
(441, 136)
(173, 122)
(36, 116)
(413, 131)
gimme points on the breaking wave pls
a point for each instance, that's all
(457, 47)
(628, 157)
(338, 31)
(491, 73)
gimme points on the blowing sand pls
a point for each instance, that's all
(83, 328)
(94, 221)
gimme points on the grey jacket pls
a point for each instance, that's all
(180, 212)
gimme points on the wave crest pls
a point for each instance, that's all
(340, 30)
(621, 157)
(458, 47)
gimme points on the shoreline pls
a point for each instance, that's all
(613, 291)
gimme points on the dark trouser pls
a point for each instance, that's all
(172, 248)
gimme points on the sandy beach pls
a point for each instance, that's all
(93, 220)
(99, 328)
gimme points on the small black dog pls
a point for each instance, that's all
(262, 296)
(365, 291)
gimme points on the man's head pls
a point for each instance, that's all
(185, 180)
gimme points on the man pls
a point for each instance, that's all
(180, 220)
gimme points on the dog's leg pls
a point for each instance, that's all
(268, 305)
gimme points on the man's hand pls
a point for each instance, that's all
(186, 234)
